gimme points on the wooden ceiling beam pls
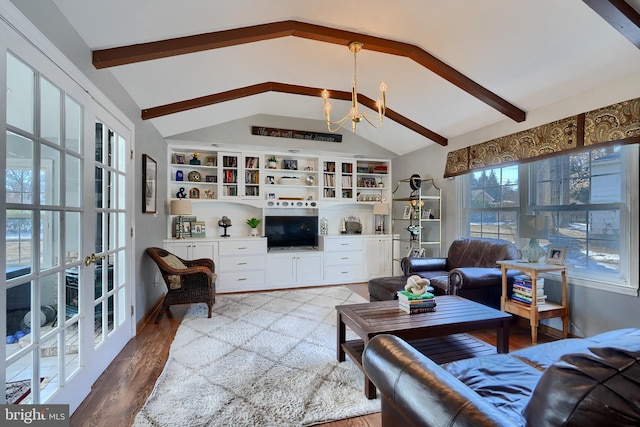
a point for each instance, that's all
(189, 44)
(621, 16)
(216, 98)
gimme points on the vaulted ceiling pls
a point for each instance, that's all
(450, 66)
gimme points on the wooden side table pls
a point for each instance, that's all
(535, 312)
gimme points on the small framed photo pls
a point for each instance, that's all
(426, 213)
(556, 255)
(211, 161)
(178, 159)
(149, 180)
(369, 182)
(194, 193)
(270, 180)
(272, 196)
(407, 212)
(291, 165)
(210, 178)
(414, 253)
(198, 229)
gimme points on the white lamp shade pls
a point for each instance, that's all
(534, 226)
(381, 209)
(181, 207)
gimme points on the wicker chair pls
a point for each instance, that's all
(188, 281)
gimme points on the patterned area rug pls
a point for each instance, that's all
(263, 359)
(17, 391)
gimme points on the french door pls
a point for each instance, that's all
(67, 299)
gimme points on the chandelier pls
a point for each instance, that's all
(354, 115)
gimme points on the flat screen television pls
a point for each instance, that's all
(291, 231)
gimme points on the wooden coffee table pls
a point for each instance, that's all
(454, 315)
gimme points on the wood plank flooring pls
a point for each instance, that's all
(123, 388)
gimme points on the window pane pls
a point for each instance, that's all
(18, 306)
(48, 303)
(18, 243)
(72, 125)
(50, 97)
(73, 181)
(49, 239)
(49, 176)
(73, 232)
(20, 94)
(19, 174)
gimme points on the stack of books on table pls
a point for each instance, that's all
(523, 290)
(410, 303)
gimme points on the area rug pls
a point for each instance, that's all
(17, 391)
(263, 359)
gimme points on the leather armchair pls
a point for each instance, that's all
(469, 270)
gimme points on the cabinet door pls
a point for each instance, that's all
(183, 250)
(281, 270)
(309, 267)
(203, 250)
(378, 257)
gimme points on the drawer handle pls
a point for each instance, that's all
(241, 279)
(344, 244)
(344, 272)
(244, 247)
(345, 257)
(242, 263)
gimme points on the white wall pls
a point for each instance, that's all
(592, 311)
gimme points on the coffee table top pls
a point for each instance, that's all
(453, 314)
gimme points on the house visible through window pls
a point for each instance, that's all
(588, 198)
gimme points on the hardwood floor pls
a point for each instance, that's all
(123, 388)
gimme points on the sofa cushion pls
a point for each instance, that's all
(479, 252)
(501, 380)
(599, 386)
(174, 262)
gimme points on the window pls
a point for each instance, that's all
(590, 199)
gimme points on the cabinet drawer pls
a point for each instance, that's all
(240, 280)
(237, 263)
(343, 244)
(240, 247)
(341, 273)
(343, 258)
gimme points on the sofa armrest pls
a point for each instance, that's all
(411, 265)
(420, 390)
(477, 277)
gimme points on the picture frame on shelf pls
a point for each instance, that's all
(198, 229)
(211, 161)
(556, 255)
(149, 183)
(290, 164)
(186, 225)
(426, 213)
(179, 159)
(210, 178)
(407, 212)
(369, 183)
(270, 180)
(194, 193)
(271, 196)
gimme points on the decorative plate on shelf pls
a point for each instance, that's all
(194, 176)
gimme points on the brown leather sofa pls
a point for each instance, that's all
(573, 382)
(469, 270)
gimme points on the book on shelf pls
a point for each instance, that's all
(528, 300)
(424, 304)
(524, 280)
(527, 290)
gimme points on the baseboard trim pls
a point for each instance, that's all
(149, 315)
(542, 329)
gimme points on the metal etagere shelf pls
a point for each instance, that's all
(416, 219)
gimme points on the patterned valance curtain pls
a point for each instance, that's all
(618, 123)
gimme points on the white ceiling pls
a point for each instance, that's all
(532, 53)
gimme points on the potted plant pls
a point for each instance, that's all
(253, 223)
(272, 162)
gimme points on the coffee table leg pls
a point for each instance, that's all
(341, 338)
(502, 341)
(369, 386)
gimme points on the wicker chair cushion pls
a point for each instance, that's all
(174, 262)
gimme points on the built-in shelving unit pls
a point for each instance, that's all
(293, 180)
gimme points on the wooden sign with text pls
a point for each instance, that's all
(296, 134)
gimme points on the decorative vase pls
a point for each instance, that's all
(254, 232)
(272, 165)
(533, 251)
(194, 160)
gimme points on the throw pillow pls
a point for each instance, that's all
(174, 262)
